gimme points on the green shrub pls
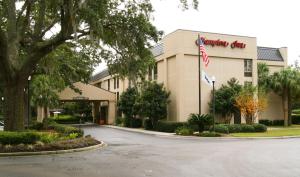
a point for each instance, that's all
(168, 126)
(221, 128)
(296, 118)
(210, 134)
(246, 128)
(266, 122)
(119, 121)
(133, 122)
(68, 119)
(19, 137)
(48, 137)
(278, 122)
(66, 130)
(184, 130)
(36, 126)
(201, 121)
(148, 124)
(272, 122)
(234, 128)
(259, 128)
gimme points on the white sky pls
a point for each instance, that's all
(273, 22)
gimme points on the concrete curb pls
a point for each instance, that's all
(173, 135)
(140, 131)
(102, 144)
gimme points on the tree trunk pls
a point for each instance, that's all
(285, 107)
(289, 107)
(45, 117)
(14, 104)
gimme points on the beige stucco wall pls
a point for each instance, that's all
(177, 68)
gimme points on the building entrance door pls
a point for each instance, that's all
(103, 115)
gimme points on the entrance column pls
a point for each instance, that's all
(111, 112)
(95, 111)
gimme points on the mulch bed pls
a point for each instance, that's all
(58, 145)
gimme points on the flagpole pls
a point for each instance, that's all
(199, 71)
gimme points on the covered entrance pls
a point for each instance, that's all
(103, 101)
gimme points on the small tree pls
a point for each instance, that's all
(249, 104)
(225, 99)
(201, 121)
(153, 101)
(286, 83)
(128, 102)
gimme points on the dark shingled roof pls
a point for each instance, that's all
(270, 54)
(157, 50)
(100, 75)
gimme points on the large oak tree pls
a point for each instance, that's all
(32, 29)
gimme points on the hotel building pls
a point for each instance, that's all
(231, 56)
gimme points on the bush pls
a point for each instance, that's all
(296, 118)
(148, 124)
(234, 128)
(68, 119)
(119, 121)
(259, 128)
(168, 126)
(66, 130)
(210, 134)
(19, 137)
(278, 122)
(133, 122)
(48, 137)
(272, 122)
(266, 122)
(36, 126)
(246, 128)
(296, 111)
(184, 131)
(221, 128)
(201, 121)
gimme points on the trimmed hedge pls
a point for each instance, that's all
(271, 122)
(66, 130)
(168, 126)
(148, 124)
(14, 138)
(238, 128)
(296, 118)
(209, 134)
(221, 128)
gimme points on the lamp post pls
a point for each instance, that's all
(28, 101)
(213, 79)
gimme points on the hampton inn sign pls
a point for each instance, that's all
(234, 44)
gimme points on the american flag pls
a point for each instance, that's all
(203, 52)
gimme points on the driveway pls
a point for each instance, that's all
(131, 154)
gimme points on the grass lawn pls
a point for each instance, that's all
(275, 131)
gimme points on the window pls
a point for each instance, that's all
(155, 71)
(248, 68)
(117, 82)
(100, 85)
(108, 85)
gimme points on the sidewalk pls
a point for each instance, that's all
(137, 130)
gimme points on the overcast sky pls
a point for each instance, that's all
(274, 23)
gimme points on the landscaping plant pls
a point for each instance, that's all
(202, 121)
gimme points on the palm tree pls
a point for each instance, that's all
(286, 83)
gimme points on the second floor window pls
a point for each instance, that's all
(155, 71)
(108, 84)
(248, 68)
